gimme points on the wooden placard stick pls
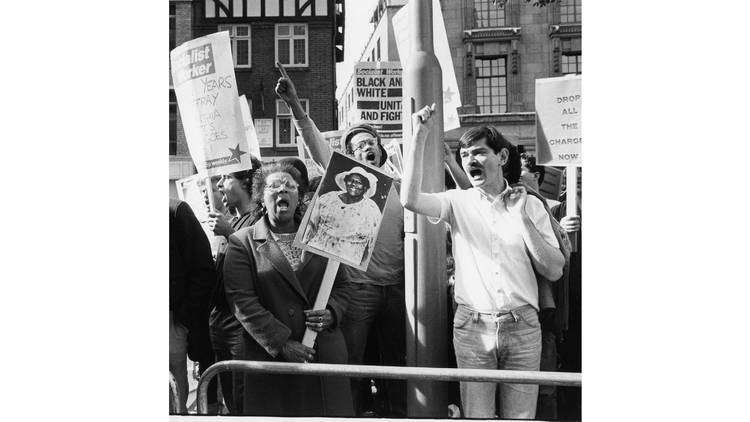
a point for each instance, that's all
(571, 199)
(332, 267)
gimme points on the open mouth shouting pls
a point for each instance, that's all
(282, 205)
(476, 174)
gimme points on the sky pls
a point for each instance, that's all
(357, 29)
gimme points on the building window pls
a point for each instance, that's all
(240, 37)
(570, 59)
(285, 130)
(488, 15)
(172, 123)
(492, 93)
(172, 21)
(291, 44)
(378, 49)
(570, 11)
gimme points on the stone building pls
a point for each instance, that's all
(307, 36)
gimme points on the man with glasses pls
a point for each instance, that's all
(377, 300)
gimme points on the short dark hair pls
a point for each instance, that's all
(259, 185)
(246, 176)
(528, 160)
(301, 168)
(496, 141)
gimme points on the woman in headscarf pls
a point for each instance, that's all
(271, 287)
(344, 223)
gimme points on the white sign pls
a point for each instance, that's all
(377, 96)
(558, 121)
(247, 119)
(264, 132)
(451, 95)
(206, 91)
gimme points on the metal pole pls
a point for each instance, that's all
(394, 372)
(428, 329)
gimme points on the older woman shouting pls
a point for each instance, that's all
(271, 286)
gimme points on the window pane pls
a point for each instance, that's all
(299, 30)
(243, 52)
(284, 51)
(282, 30)
(282, 108)
(285, 133)
(225, 28)
(299, 51)
(242, 31)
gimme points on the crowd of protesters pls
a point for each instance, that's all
(514, 275)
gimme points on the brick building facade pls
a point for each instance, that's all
(305, 35)
(498, 53)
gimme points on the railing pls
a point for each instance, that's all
(174, 392)
(571, 379)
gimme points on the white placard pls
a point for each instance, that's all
(558, 121)
(206, 91)
(250, 135)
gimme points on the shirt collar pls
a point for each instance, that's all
(501, 196)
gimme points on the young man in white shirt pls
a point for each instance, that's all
(500, 235)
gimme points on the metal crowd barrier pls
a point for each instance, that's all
(174, 393)
(571, 379)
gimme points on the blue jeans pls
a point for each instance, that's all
(382, 308)
(509, 341)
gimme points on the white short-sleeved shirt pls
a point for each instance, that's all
(494, 272)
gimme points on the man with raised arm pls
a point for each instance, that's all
(500, 235)
(377, 300)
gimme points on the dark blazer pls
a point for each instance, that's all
(192, 275)
(268, 298)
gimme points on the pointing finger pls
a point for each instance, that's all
(282, 70)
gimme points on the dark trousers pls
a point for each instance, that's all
(229, 344)
(383, 309)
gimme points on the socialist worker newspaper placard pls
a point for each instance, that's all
(206, 91)
(558, 121)
(377, 96)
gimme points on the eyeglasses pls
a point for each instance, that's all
(364, 143)
(281, 185)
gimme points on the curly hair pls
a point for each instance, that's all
(246, 176)
(259, 185)
(496, 141)
(528, 160)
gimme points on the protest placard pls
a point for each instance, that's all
(206, 91)
(344, 216)
(303, 152)
(451, 95)
(558, 121)
(377, 96)
(192, 189)
(247, 120)
(264, 132)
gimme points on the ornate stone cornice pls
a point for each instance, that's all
(564, 29)
(493, 34)
(498, 119)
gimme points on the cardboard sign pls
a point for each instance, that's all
(303, 152)
(343, 219)
(377, 96)
(264, 132)
(206, 91)
(247, 120)
(558, 121)
(191, 189)
(451, 95)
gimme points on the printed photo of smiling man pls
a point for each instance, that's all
(344, 217)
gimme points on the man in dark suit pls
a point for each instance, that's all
(192, 278)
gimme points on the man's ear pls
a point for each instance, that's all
(537, 175)
(503, 156)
